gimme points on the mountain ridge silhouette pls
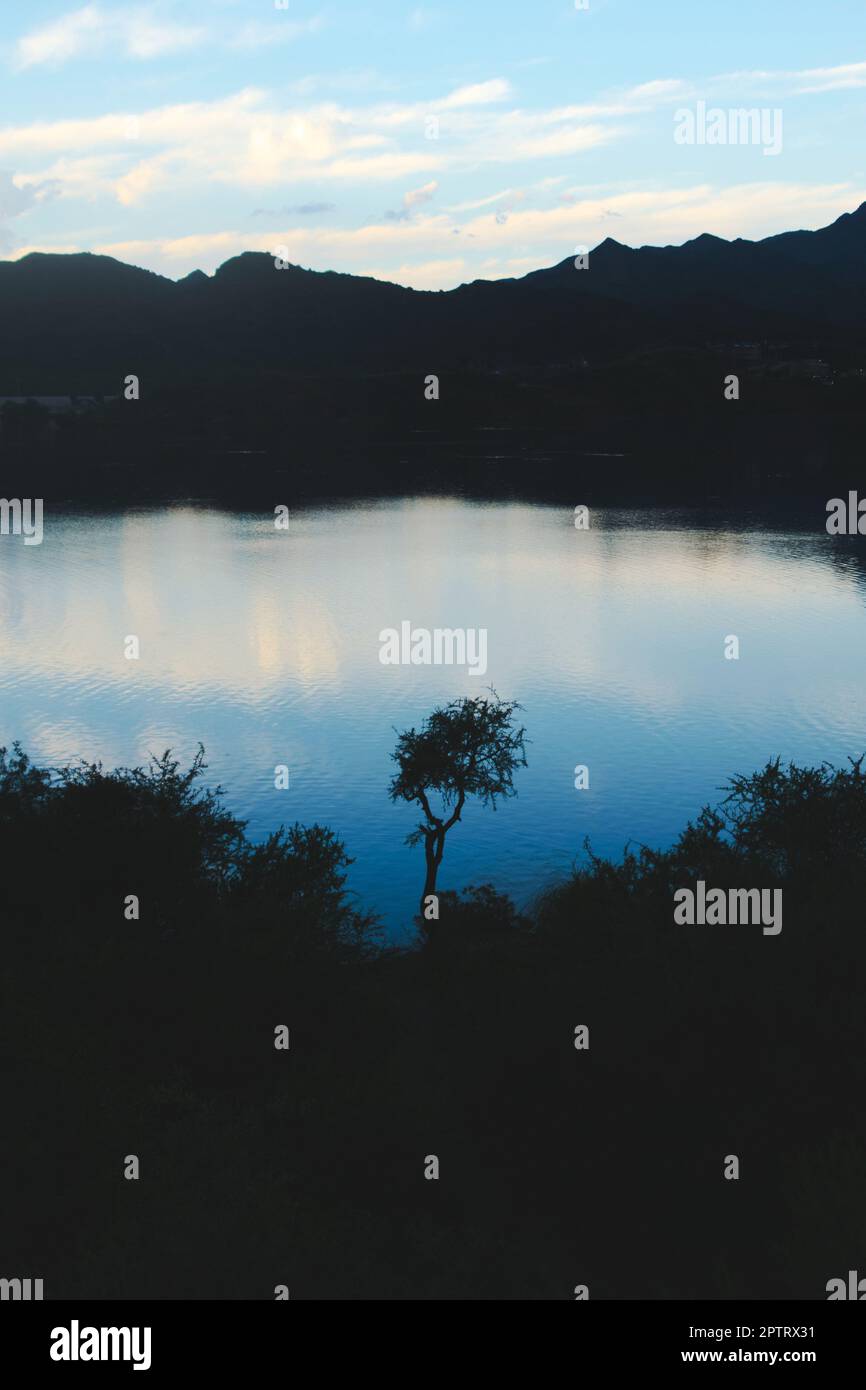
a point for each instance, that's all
(88, 316)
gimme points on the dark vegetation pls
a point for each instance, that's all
(261, 385)
(558, 1167)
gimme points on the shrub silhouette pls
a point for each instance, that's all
(155, 832)
(304, 1167)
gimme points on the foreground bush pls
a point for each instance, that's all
(601, 1165)
(77, 843)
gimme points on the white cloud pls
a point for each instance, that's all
(833, 79)
(480, 94)
(561, 142)
(414, 198)
(667, 216)
(410, 252)
(493, 268)
(420, 195)
(425, 275)
(482, 202)
(145, 178)
(17, 198)
(168, 125)
(254, 140)
(61, 248)
(799, 82)
(93, 30)
(66, 38)
(250, 140)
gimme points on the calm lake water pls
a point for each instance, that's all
(264, 646)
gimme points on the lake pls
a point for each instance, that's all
(264, 645)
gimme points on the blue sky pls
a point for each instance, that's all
(428, 144)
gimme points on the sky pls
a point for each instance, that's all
(425, 144)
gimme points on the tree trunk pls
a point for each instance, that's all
(434, 845)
